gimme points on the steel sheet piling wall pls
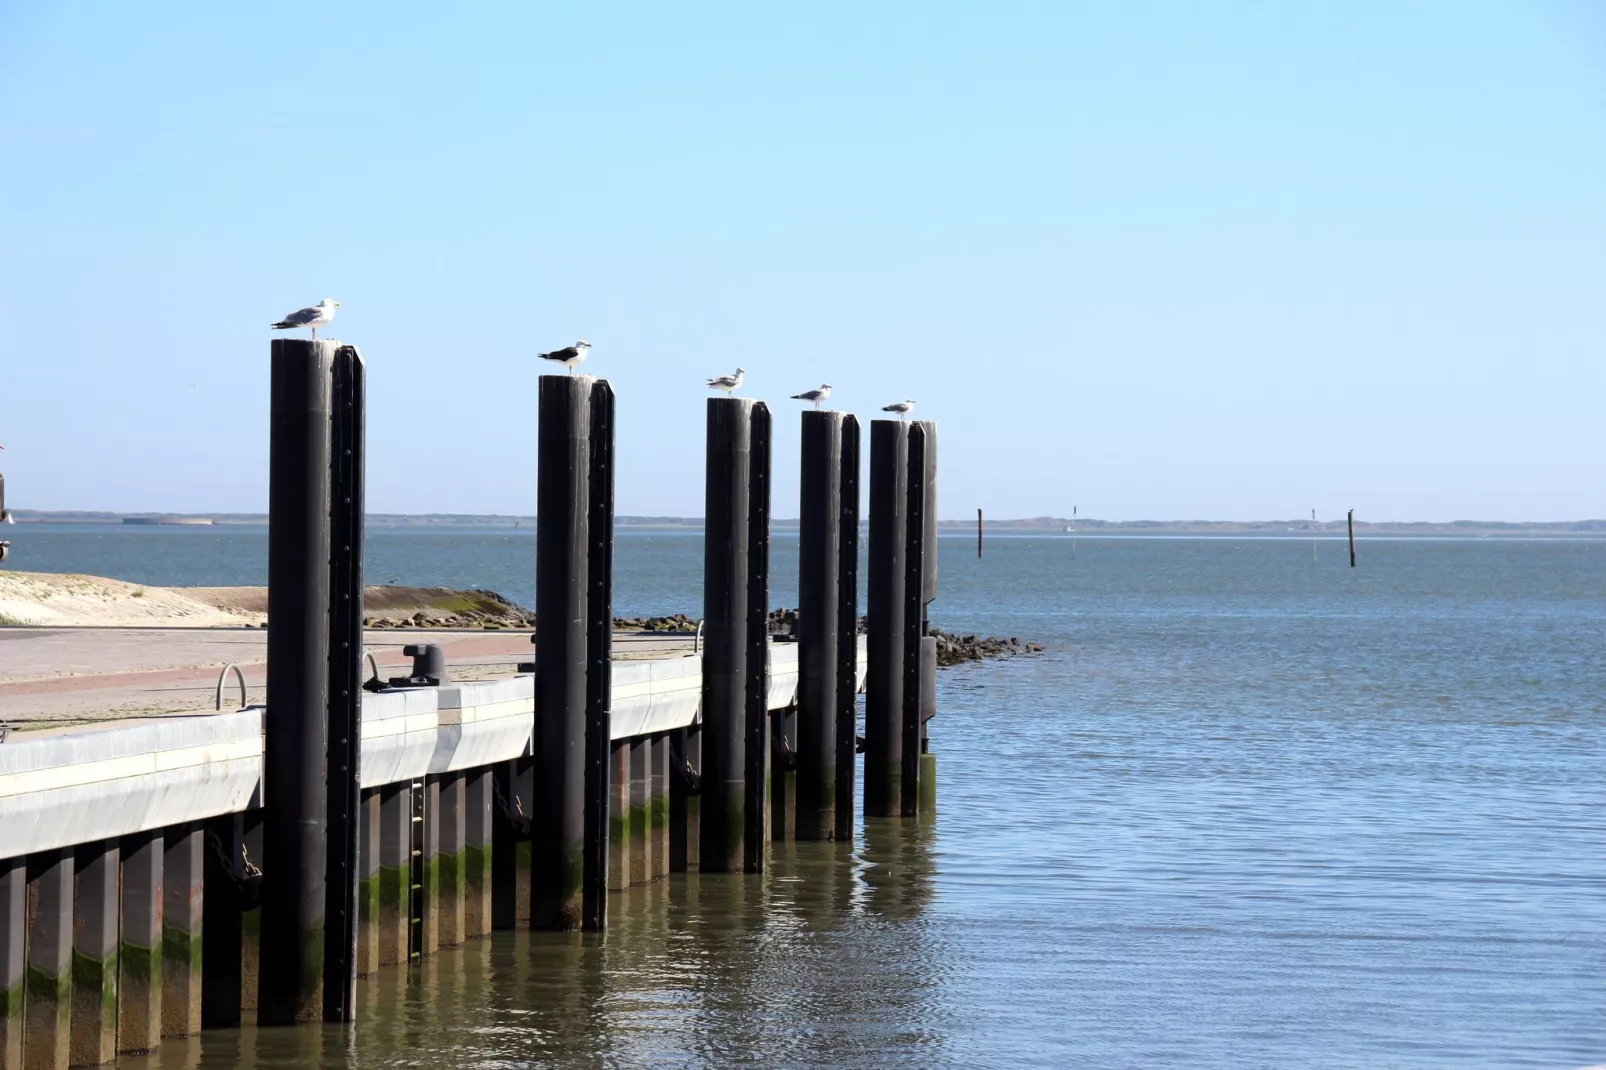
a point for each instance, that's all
(757, 757)
(847, 629)
(563, 496)
(344, 788)
(818, 599)
(883, 718)
(295, 733)
(599, 656)
(724, 691)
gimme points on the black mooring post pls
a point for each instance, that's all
(847, 643)
(1352, 538)
(756, 827)
(818, 599)
(724, 693)
(563, 510)
(883, 705)
(914, 556)
(347, 436)
(295, 733)
(599, 657)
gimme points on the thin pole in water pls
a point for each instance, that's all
(1313, 536)
(1352, 538)
(978, 534)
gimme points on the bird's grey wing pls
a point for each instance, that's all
(302, 316)
(567, 353)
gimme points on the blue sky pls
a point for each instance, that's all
(1163, 260)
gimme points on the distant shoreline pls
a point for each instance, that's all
(1044, 525)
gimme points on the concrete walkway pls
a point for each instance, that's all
(65, 675)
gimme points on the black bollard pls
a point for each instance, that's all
(756, 825)
(818, 598)
(347, 437)
(883, 707)
(724, 693)
(563, 513)
(847, 646)
(295, 743)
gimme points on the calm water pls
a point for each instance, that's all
(1249, 810)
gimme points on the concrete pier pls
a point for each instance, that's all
(94, 965)
(395, 872)
(13, 957)
(183, 893)
(480, 801)
(139, 951)
(451, 860)
(640, 800)
(368, 854)
(619, 815)
(47, 1009)
(658, 805)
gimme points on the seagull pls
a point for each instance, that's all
(568, 356)
(314, 317)
(815, 396)
(727, 383)
(902, 408)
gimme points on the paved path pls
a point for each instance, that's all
(101, 674)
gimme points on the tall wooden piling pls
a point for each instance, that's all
(725, 621)
(295, 734)
(883, 716)
(571, 652)
(1352, 538)
(819, 584)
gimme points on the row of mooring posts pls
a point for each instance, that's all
(274, 912)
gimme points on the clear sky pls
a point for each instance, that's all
(1157, 260)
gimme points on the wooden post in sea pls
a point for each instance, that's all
(978, 534)
(1352, 538)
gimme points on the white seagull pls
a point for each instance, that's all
(314, 317)
(569, 356)
(902, 408)
(727, 383)
(815, 396)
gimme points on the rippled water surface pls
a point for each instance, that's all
(1252, 808)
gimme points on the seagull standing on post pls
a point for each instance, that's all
(815, 396)
(313, 317)
(902, 408)
(569, 356)
(727, 383)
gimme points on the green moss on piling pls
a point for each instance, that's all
(181, 947)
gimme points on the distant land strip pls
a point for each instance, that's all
(1032, 525)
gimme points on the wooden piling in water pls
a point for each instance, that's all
(1352, 538)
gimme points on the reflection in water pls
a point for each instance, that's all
(823, 959)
